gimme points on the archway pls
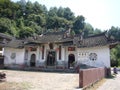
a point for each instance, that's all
(32, 60)
(71, 60)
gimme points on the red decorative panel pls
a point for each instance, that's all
(71, 48)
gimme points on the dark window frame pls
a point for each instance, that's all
(60, 49)
(43, 50)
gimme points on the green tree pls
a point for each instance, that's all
(88, 30)
(52, 12)
(68, 14)
(35, 27)
(115, 56)
(114, 32)
(8, 26)
(26, 32)
(37, 8)
(78, 24)
(8, 9)
(29, 8)
(97, 31)
(60, 12)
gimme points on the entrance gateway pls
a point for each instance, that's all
(71, 60)
(33, 60)
(51, 59)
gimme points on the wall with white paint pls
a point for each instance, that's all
(103, 56)
(18, 58)
(82, 55)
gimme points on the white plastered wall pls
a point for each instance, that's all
(103, 56)
(19, 57)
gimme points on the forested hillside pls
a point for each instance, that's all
(23, 19)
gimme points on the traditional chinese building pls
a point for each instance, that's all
(59, 50)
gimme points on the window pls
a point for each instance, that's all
(59, 52)
(43, 49)
(93, 56)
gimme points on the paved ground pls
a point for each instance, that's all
(24, 80)
(39, 81)
(111, 83)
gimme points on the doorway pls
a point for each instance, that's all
(32, 60)
(51, 58)
(71, 60)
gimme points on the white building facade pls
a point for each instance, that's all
(60, 53)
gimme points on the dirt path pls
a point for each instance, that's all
(41, 80)
(111, 84)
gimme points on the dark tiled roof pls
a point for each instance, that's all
(2, 35)
(2, 45)
(15, 44)
(58, 37)
(95, 40)
(4, 39)
(78, 40)
(52, 37)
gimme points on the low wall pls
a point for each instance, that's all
(90, 76)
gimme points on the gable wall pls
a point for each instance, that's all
(103, 56)
(19, 58)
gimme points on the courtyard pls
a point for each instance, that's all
(29, 80)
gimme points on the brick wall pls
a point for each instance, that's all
(90, 76)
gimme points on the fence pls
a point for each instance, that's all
(90, 76)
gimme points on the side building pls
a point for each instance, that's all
(4, 39)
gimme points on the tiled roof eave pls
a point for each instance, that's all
(6, 36)
(2, 45)
(20, 46)
(83, 46)
(58, 41)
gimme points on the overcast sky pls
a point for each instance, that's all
(100, 14)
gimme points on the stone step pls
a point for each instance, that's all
(49, 70)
